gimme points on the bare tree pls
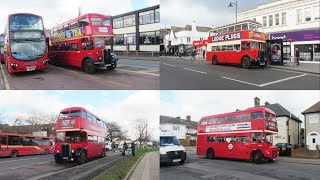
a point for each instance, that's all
(115, 131)
(141, 131)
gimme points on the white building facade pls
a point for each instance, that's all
(296, 21)
(312, 126)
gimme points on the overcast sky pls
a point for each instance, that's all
(58, 11)
(123, 107)
(202, 103)
(204, 12)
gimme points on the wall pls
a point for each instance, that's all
(180, 134)
(282, 136)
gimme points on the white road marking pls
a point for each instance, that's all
(169, 64)
(17, 160)
(266, 84)
(124, 65)
(195, 70)
(139, 72)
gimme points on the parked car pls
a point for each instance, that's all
(171, 150)
(284, 149)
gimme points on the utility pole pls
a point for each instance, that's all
(79, 11)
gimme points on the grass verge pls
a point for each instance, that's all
(120, 171)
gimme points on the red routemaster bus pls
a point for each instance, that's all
(79, 135)
(243, 135)
(25, 43)
(240, 43)
(80, 42)
(1, 48)
(24, 144)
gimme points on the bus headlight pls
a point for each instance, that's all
(14, 66)
(100, 58)
(72, 151)
(58, 151)
(45, 62)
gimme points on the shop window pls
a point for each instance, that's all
(130, 39)
(118, 23)
(148, 38)
(119, 39)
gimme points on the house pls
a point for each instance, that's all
(181, 128)
(312, 126)
(289, 125)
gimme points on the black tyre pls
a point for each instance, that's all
(56, 61)
(257, 157)
(112, 67)
(215, 60)
(245, 63)
(58, 159)
(14, 153)
(181, 162)
(210, 154)
(89, 67)
(82, 158)
(46, 151)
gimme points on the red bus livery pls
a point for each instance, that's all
(79, 135)
(239, 43)
(80, 42)
(24, 144)
(243, 135)
(25, 43)
(1, 48)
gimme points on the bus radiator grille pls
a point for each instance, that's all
(65, 150)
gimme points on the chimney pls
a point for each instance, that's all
(194, 26)
(267, 103)
(188, 118)
(256, 102)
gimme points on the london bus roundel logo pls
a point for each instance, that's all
(230, 146)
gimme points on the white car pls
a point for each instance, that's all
(171, 150)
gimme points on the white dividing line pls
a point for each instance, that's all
(169, 64)
(265, 84)
(139, 72)
(142, 67)
(17, 160)
(195, 70)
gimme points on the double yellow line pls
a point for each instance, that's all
(5, 80)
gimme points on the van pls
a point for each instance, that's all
(171, 150)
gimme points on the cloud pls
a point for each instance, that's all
(152, 2)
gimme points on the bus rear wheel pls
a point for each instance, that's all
(89, 67)
(210, 153)
(56, 61)
(82, 158)
(46, 151)
(14, 153)
(257, 157)
(245, 63)
(215, 60)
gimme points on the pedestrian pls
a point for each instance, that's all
(125, 149)
(133, 147)
(194, 53)
(297, 56)
(204, 53)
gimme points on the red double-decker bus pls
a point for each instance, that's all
(243, 135)
(240, 43)
(1, 48)
(25, 43)
(24, 144)
(80, 42)
(79, 135)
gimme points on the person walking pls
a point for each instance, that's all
(204, 53)
(125, 149)
(296, 56)
(133, 147)
(194, 53)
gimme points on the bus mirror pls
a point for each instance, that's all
(5, 48)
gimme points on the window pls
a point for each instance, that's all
(99, 42)
(148, 38)
(270, 20)
(277, 19)
(106, 21)
(220, 139)
(264, 21)
(64, 114)
(225, 30)
(243, 117)
(74, 47)
(129, 20)
(74, 25)
(252, 27)
(83, 22)
(230, 47)
(89, 117)
(231, 139)
(257, 115)
(119, 40)
(213, 48)
(231, 29)
(188, 39)
(316, 13)
(84, 43)
(254, 19)
(307, 14)
(284, 18)
(204, 122)
(75, 113)
(244, 26)
(254, 137)
(221, 119)
(176, 128)
(118, 23)
(3, 140)
(13, 140)
(95, 21)
(146, 17)
(299, 15)
(224, 47)
(211, 139)
(67, 47)
(213, 121)
(231, 118)
(66, 28)
(247, 45)
(237, 28)
(313, 118)
(243, 138)
(157, 15)
(90, 44)
(243, 45)
(236, 47)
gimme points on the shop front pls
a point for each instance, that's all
(307, 41)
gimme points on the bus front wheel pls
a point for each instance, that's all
(14, 153)
(215, 60)
(210, 153)
(82, 158)
(245, 63)
(89, 67)
(257, 157)
(58, 159)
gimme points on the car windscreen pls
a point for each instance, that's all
(169, 141)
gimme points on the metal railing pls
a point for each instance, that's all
(137, 53)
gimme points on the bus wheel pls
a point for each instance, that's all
(257, 157)
(46, 151)
(215, 60)
(58, 159)
(181, 162)
(56, 61)
(14, 153)
(89, 66)
(112, 67)
(245, 63)
(82, 158)
(210, 153)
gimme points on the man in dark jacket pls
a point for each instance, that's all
(297, 56)
(133, 147)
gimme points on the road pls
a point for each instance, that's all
(33, 167)
(197, 168)
(182, 74)
(130, 74)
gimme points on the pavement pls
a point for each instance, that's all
(304, 67)
(147, 168)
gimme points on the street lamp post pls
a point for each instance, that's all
(235, 4)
